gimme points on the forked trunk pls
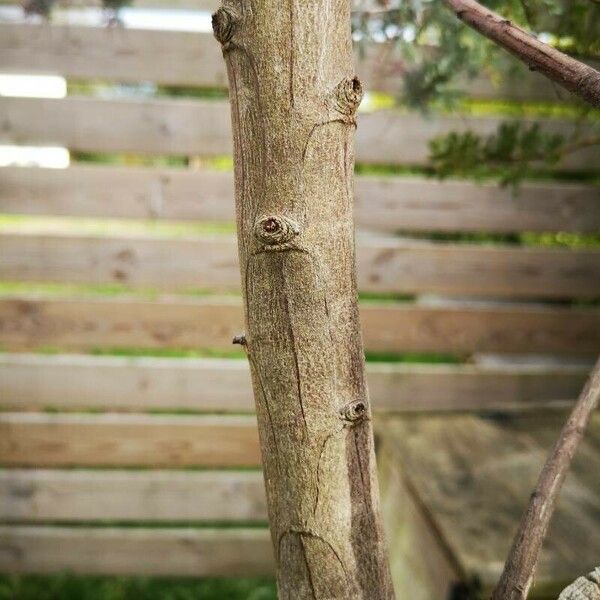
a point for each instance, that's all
(293, 103)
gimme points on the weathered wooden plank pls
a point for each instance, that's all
(38, 439)
(117, 192)
(422, 569)
(147, 126)
(209, 262)
(186, 58)
(120, 383)
(384, 265)
(184, 127)
(195, 5)
(72, 382)
(32, 322)
(399, 204)
(114, 551)
(381, 203)
(387, 137)
(38, 495)
(117, 53)
(413, 387)
(486, 468)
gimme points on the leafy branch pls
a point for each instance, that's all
(510, 153)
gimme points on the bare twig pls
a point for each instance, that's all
(573, 75)
(519, 569)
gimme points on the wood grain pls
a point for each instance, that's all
(384, 266)
(31, 322)
(486, 468)
(185, 58)
(199, 5)
(112, 383)
(139, 551)
(116, 53)
(201, 127)
(422, 568)
(38, 439)
(381, 203)
(41, 495)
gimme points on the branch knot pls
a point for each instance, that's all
(354, 412)
(224, 22)
(276, 230)
(348, 95)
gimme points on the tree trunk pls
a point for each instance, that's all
(293, 104)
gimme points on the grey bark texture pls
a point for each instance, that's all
(583, 588)
(519, 569)
(293, 102)
(573, 75)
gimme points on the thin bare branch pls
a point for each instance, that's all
(519, 569)
(573, 75)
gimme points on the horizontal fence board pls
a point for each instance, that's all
(381, 203)
(148, 126)
(194, 58)
(114, 551)
(116, 53)
(72, 382)
(205, 5)
(38, 439)
(194, 127)
(125, 192)
(384, 266)
(32, 322)
(37, 495)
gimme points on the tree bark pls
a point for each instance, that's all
(519, 570)
(293, 104)
(573, 75)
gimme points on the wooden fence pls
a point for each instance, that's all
(116, 411)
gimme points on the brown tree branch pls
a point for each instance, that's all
(573, 75)
(519, 569)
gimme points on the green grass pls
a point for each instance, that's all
(105, 290)
(521, 109)
(225, 163)
(388, 357)
(542, 175)
(413, 357)
(481, 107)
(129, 159)
(560, 239)
(132, 525)
(191, 229)
(74, 587)
(169, 353)
(111, 227)
(104, 88)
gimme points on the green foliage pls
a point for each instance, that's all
(575, 24)
(436, 54)
(75, 587)
(508, 153)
